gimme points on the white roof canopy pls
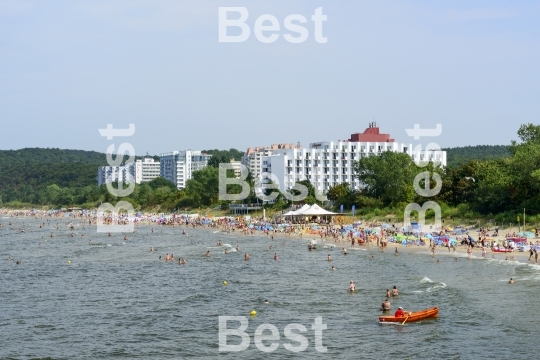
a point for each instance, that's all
(316, 210)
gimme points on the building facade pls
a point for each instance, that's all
(253, 156)
(328, 163)
(140, 171)
(146, 170)
(108, 174)
(178, 166)
(236, 167)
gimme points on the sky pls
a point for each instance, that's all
(69, 68)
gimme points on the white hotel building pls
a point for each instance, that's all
(141, 171)
(253, 157)
(109, 174)
(178, 166)
(329, 163)
(146, 170)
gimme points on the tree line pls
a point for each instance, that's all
(501, 185)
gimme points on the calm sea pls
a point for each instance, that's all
(117, 300)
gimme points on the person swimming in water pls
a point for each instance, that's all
(246, 256)
(394, 291)
(344, 251)
(266, 302)
(385, 306)
(511, 281)
(219, 243)
(276, 256)
(388, 294)
(207, 253)
(329, 258)
(226, 250)
(352, 287)
(237, 248)
(333, 268)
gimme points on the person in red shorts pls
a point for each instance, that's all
(399, 312)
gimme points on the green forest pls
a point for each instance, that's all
(462, 155)
(496, 181)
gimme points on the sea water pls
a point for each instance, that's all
(115, 299)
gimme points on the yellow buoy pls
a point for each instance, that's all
(69, 262)
(225, 282)
(253, 313)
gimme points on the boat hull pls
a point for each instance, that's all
(414, 316)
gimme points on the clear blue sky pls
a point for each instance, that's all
(68, 68)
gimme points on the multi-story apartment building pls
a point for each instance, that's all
(236, 167)
(253, 156)
(146, 170)
(109, 174)
(328, 163)
(178, 166)
(141, 171)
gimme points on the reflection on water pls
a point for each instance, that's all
(116, 299)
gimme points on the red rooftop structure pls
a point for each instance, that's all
(371, 134)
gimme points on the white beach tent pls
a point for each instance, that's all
(316, 210)
(301, 211)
